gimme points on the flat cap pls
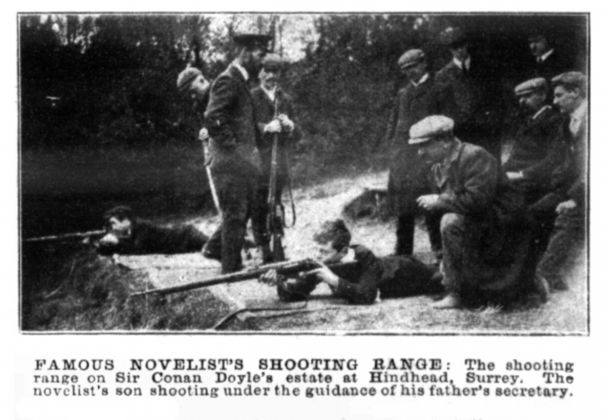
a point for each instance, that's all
(452, 37)
(411, 58)
(272, 61)
(187, 76)
(570, 80)
(430, 127)
(252, 39)
(530, 86)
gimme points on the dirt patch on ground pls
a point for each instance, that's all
(94, 291)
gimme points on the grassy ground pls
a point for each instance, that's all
(68, 287)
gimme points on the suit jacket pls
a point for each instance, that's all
(469, 182)
(232, 125)
(537, 150)
(477, 101)
(412, 104)
(570, 178)
(554, 65)
(264, 111)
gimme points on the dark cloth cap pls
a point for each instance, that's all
(453, 37)
(186, 77)
(411, 58)
(272, 61)
(530, 86)
(570, 80)
(252, 40)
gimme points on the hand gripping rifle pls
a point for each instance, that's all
(275, 214)
(285, 268)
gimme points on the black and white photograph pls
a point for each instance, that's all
(392, 173)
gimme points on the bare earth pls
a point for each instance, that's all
(260, 311)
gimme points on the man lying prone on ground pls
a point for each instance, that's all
(126, 234)
(391, 276)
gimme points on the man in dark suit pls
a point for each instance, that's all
(570, 178)
(476, 93)
(275, 114)
(538, 147)
(233, 155)
(483, 229)
(418, 99)
(546, 61)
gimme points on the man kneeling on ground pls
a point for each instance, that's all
(361, 282)
(483, 226)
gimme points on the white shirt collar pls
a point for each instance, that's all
(545, 56)
(422, 80)
(460, 63)
(271, 94)
(540, 111)
(580, 112)
(241, 69)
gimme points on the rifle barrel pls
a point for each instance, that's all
(64, 236)
(284, 267)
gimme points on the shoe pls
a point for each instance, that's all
(210, 254)
(450, 301)
(541, 287)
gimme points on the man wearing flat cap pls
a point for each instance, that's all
(569, 181)
(233, 154)
(538, 149)
(483, 227)
(476, 93)
(418, 99)
(275, 114)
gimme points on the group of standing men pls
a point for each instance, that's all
(239, 127)
(492, 222)
(491, 219)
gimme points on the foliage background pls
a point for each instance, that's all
(101, 121)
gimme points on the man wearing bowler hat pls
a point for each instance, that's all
(483, 229)
(418, 99)
(233, 154)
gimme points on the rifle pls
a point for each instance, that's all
(66, 236)
(284, 267)
(275, 220)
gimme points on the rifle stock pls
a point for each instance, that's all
(285, 268)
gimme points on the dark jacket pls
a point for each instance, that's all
(264, 111)
(554, 65)
(537, 150)
(232, 125)
(393, 276)
(412, 104)
(477, 102)
(470, 182)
